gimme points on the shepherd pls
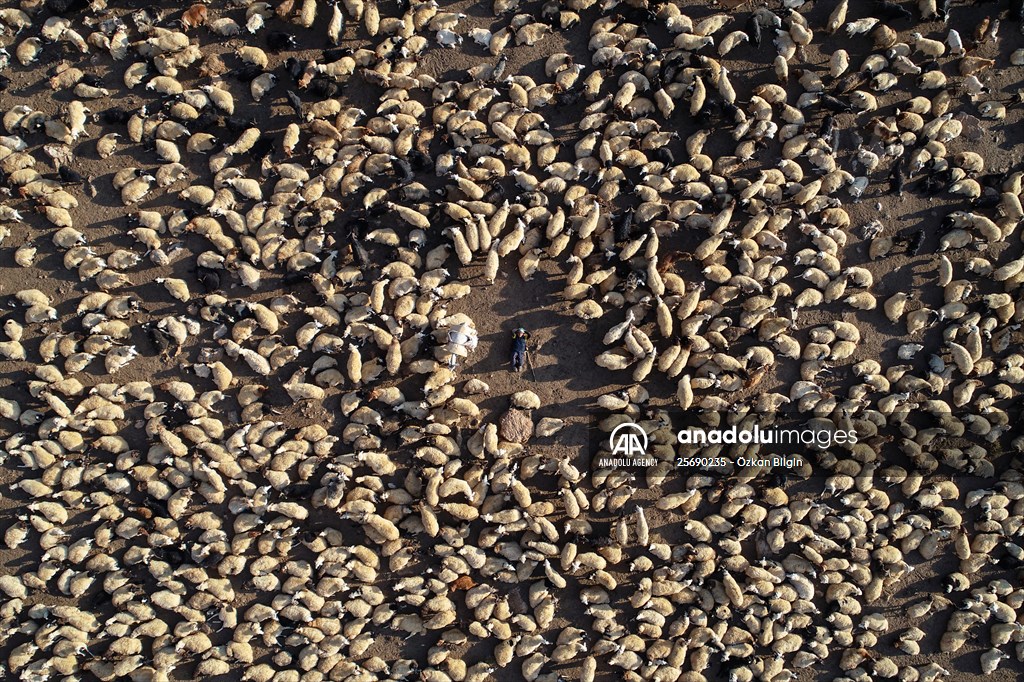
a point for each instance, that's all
(519, 338)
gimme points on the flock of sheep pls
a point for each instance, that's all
(718, 214)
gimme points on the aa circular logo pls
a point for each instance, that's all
(628, 439)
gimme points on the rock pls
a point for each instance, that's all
(972, 127)
(516, 425)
